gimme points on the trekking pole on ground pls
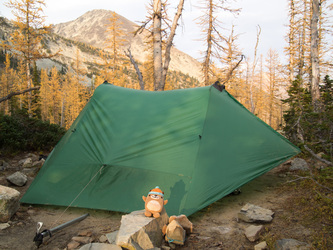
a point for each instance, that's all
(38, 239)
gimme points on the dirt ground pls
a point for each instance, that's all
(215, 227)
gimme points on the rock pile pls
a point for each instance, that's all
(9, 197)
(177, 229)
(258, 215)
(137, 232)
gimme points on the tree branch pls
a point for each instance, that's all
(18, 93)
(138, 72)
(167, 57)
(317, 157)
(232, 70)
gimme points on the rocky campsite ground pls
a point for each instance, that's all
(214, 227)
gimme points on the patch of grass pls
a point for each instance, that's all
(269, 237)
(312, 201)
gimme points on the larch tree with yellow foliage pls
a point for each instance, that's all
(7, 86)
(212, 36)
(55, 97)
(25, 42)
(44, 92)
(113, 43)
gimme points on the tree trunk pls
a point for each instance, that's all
(137, 70)
(315, 73)
(292, 41)
(207, 61)
(157, 40)
(169, 42)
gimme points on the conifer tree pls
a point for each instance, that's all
(7, 86)
(299, 102)
(274, 82)
(113, 69)
(212, 36)
(25, 41)
(55, 97)
(45, 93)
(230, 58)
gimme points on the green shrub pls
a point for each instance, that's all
(21, 133)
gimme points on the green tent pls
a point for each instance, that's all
(197, 145)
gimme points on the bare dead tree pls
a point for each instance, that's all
(138, 72)
(315, 71)
(253, 107)
(167, 56)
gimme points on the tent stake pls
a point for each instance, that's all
(38, 239)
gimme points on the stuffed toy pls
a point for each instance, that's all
(154, 202)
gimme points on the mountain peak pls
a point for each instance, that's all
(90, 28)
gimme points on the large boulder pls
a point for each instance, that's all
(9, 203)
(140, 232)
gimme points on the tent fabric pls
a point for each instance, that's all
(197, 145)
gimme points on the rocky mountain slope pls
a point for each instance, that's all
(90, 28)
(84, 38)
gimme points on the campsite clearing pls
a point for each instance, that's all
(215, 227)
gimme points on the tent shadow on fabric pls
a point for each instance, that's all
(197, 145)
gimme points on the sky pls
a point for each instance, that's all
(270, 15)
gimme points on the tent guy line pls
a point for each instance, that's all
(60, 216)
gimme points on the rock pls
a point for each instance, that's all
(299, 164)
(18, 179)
(112, 237)
(87, 233)
(4, 165)
(261, 246)
(38, 164)
(3, 226)
(140, 232)
(252, 213)
(32, 156)
(73, 245)
(9, 203)
(203, 237)
(100, 246)
(103, 239)
(82, 240)
(252, 232)
(30, 171)
(220, 230)
(286, 244)
(27, 163)
(175, 233)
(184, 222)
